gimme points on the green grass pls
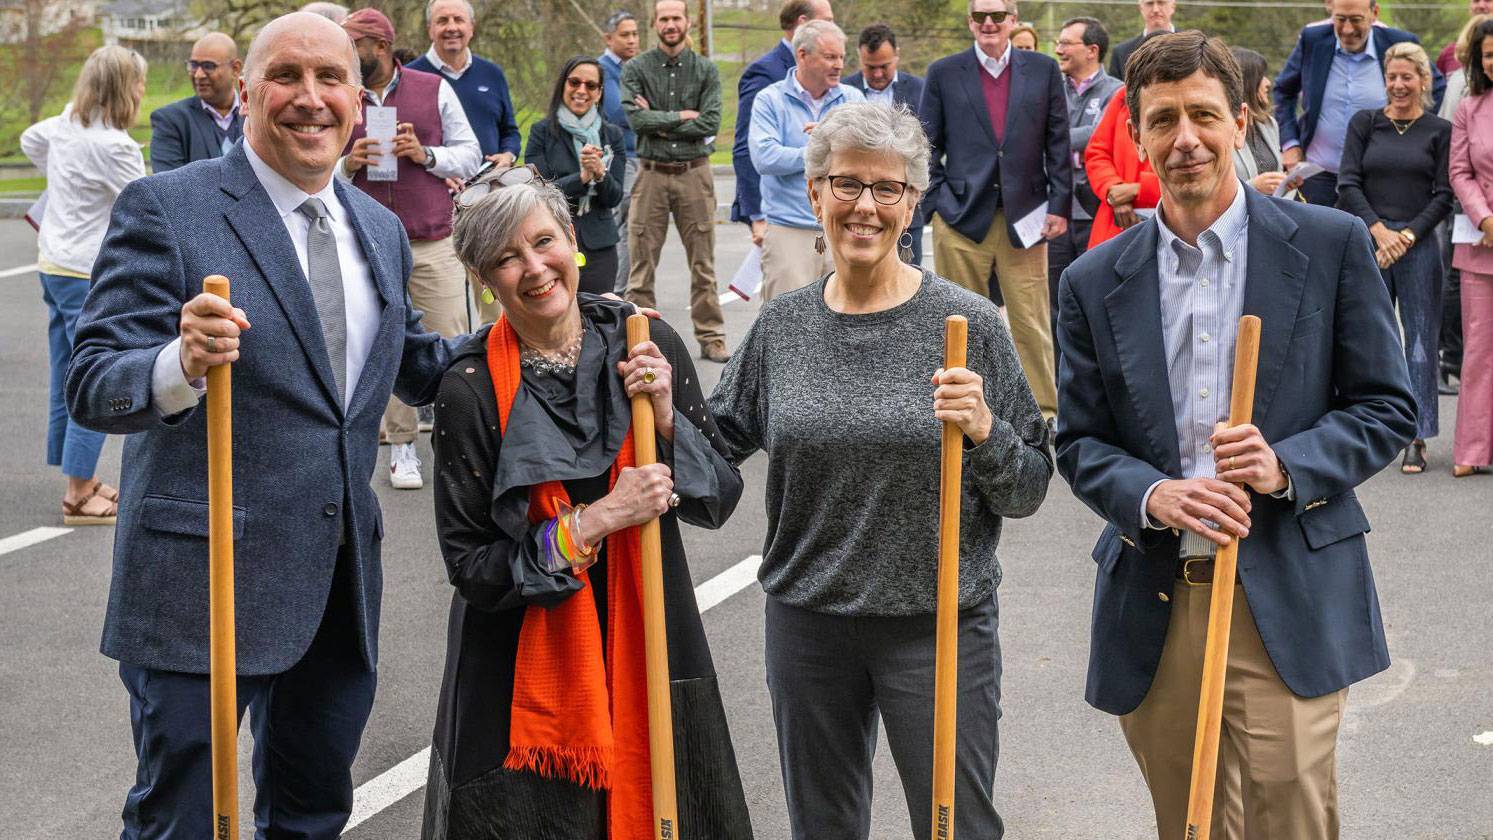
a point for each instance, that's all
(22, 186)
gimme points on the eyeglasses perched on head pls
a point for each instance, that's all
(847, 188)
(489, 178)
(983, 18)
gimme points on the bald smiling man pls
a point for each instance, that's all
(205, 124)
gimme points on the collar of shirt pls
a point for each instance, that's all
(608, 55)
(1080, 86)
(220, 119)
(994, 66)
(798, 91)
(378, 98)
(437, 62)
(287, 196)
(1223, 234)
(1368, 51)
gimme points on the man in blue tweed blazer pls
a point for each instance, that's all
(319, 334)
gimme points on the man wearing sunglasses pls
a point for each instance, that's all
(207, 123)
(997, 121)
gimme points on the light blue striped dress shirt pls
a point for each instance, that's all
(1354, 82)
(1202, 298)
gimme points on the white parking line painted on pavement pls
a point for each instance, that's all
(21, 269)
(26, 539)
(1484, 738)
(409, 775)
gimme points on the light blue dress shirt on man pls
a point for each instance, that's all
(777, 139)
(1354, 82)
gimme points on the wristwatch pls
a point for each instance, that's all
(1408, 235)
(429, 158)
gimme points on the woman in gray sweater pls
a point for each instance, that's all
(841, 384)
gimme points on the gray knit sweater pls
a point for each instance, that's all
(843, 406)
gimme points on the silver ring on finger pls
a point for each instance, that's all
(648, 376)
(673, 500)
(212, 344)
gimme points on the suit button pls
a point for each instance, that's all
(330, 509)
(1163, 596)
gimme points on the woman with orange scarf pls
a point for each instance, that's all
(1124, 183)
(542, 730)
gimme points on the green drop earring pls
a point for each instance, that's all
(487, 296)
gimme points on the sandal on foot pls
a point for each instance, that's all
(75, 513)
(1415, 458)
(104, 491)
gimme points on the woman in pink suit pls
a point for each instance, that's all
(1471, 169)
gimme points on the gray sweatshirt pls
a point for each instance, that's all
(843, 406)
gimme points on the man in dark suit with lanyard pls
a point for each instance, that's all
(207, 123)
(319, 270)
(1147, 326)
(772, 67)
(881, 81)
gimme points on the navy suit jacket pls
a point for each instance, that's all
(301, 462)
(1304, 78)
(183, 132)
(907, 90)
(971, 176)
(1332, 398)
(770, 68)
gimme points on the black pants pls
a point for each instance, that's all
(1451, 302)
(1321, 189)
(599, 274)
(307, 723)
(830, 677)
(1061, 253)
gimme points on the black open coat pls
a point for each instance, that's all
(481, 498)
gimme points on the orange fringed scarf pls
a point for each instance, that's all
(581, 713)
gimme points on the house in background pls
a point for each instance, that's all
(20, 19)
(151, 26)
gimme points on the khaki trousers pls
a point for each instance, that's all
(690, 198)
(789, 261)
(438, 288)
(1023, 283)
(1277, 755)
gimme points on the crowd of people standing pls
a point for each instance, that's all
(369, 196)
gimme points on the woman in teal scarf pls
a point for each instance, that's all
(582, 154)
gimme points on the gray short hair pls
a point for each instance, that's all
(471, 12)
(807, 37)
(483, 231)
(334, 12)
(873, 128)
(616, 20)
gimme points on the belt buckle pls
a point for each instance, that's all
(1187, 571)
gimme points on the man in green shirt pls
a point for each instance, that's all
(672, 97)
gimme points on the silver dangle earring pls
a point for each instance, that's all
(819, 244)
(904, 246)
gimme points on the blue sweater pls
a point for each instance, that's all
(483, 91)
(611, 101)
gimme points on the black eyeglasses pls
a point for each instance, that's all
(576, 81)
(208, 67)
(489, 178)
(847, 188)
(983, 18)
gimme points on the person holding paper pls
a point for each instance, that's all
(1471, 170)
(1122, 179)
(851, 365)
(414, 138)
(1002, 177)
(1394, 177)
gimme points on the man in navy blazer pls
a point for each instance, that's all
(772, 67)
(997, 121)
(881, 81)
(1335, 71)
(1147, 324)
(202, 126)
(320, 332)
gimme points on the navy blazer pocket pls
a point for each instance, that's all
(183, 516)
(1334, 520)
(1107, 549)
(1307, 325)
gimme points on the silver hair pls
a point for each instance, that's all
(471, 12)
(807, 37)
(485, 230)
(616, 20)
(334, 12)
(871, 128)
(266, 33)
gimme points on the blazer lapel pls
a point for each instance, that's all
(1277, 279)
(257, 222)
(1134, 309)
(390, 287)
(1321, 68)
(970, 81)
(1019, 85)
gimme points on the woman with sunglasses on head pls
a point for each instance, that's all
(584, 156)
(541, 728)
(841, 384)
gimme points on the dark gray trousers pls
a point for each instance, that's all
(830, 676)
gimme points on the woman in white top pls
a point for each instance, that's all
(88, 158)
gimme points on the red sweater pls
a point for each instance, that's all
(1111, 159)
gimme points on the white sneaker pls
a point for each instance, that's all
(404, 467)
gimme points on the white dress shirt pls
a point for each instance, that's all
(171, 392)
(440, 64)
(459, 154)
(885, 96)
(994, 66)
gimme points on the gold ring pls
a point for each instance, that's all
(212, 344)
(649, 376)
(1231, 463)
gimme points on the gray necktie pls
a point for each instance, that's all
(325, 275)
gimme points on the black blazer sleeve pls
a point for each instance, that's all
(555, 163)
(168, 139)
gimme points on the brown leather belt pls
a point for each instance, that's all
(673, 168)
(1195, 571)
